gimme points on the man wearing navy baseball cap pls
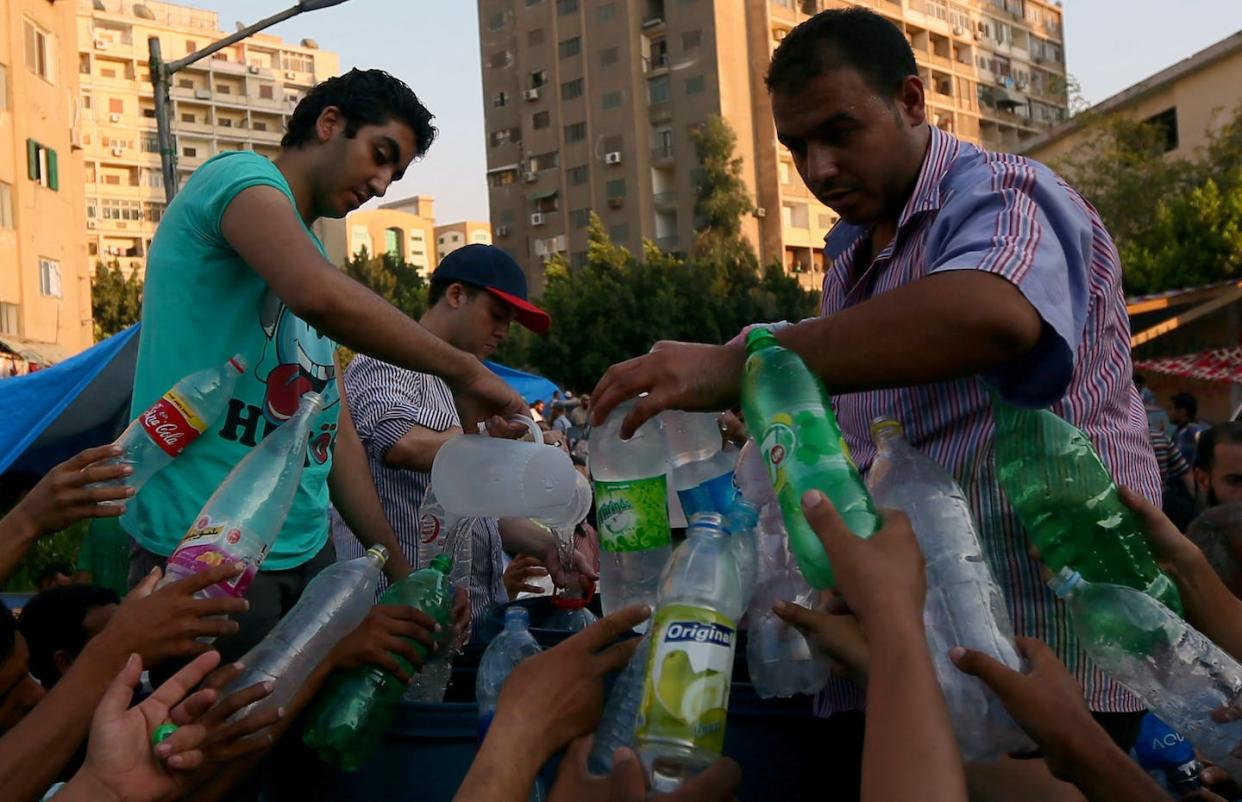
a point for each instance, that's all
(403, 417)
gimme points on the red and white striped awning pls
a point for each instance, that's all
(1219, 365)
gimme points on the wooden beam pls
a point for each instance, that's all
(1181, 299)
(1147, 335)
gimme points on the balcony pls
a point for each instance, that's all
(662, 154)
(665, 200)
(669, 243)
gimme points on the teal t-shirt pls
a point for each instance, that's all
(202, 304)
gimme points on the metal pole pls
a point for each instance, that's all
(159, 83)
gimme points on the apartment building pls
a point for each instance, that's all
(45, 294)
(451, 236)
(590, 106)
(237, 99)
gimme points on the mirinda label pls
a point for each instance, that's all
(172, 423)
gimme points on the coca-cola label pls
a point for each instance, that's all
(172, 423)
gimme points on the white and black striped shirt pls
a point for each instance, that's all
(385, 402)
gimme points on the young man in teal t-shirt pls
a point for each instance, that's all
(235, 269)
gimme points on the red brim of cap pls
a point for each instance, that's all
(526, 313)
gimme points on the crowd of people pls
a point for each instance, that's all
(955, 275)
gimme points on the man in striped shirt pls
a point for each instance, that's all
(952, 270)
(403, 417)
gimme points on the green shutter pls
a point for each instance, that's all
(53, 176)
(32, 159)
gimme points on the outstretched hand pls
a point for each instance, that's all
(62, 498)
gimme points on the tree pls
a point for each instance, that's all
(392, 279)
(116, 299)
(722, 198)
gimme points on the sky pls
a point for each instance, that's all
(434, 47)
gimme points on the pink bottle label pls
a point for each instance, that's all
(209, 544)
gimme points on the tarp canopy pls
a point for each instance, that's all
(1218, 365)
(50, 415)
(531, 387)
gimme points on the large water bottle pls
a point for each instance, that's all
(1176, 670)
(352, 715)
(631, 508)
(333, 604)
(159, 435)
(620, 716)
(1068, 504)
(702, 472)
(681, 720)
(964, 605)
(510, 647)
(243, 517)
(1168, 757)
(790, 416)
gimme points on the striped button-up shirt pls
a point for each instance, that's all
(1013, 218)
(385, 402)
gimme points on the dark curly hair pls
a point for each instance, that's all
(52, 621)
(365, 97)
(853, 37)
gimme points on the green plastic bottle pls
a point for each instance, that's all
(1069, 504)
(351, 717)
(790, 416)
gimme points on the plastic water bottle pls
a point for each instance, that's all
(1069, 505)
(631, 507)
(788, 411)
(740, 525)
(159, 435)
(780, 660)
(1179, 673)
(243, 517)
(1167, 756)
(964, 605)
(681, 720)
(354, 712)
(620, 716)
(702, 472)
(333, 604)
(510, 647)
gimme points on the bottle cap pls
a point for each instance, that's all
(379, 554)
(706, 521)
(442, 563)
(238, 363)
(759, 338)
(311, 401)
(743, 515)
(1065, 582)
(884, 427)
(517, 614)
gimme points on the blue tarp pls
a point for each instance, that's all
(50, 415)
(531, 387)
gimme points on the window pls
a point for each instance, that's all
(538, 78)
(150, 143)
(116, 105)
(107, 72)
(129, 210)
(185, 83)
(571, 89)
(575, 132)
(612, 100)
(570, 47)
(84, 64)
(41, 165)
(155, 179)
(153, 212)
(296, 62)
(393, 242)
(534, 37)
(541, 119)
(148, 112)
(40, 51)
(8, 318)
(1166, 123)
(658, 90)
(609, 57)
(188, 117)
(616, 189)
(224, 89)
(225, 122)
(579, 218)
(619, 233)
(607, 12)
(826, 221)
(695, 85)
(500, 99)
(795, 215)
(49, 278)
(691, 41)
(578, 175)
(190, 153)
(190, 46)
(259, 125)
(545, 161)
(6, 205)
(499, 60)
(265, 92)
(496, 21)
(783, 168)
(566, 6)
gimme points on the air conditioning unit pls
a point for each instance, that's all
(958, 30)
(530, 176)
(761, 212)
(290, 74)
(536, 219)
(502, 231)
(114, 118)
(616, 203)
(612, 157)
(101, 44)
(531, 94)
(202, 94)
(978, 35)
(92, 224)
(118, 151)
(253, 70)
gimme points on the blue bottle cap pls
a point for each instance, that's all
(517, 614)
(1065, 582)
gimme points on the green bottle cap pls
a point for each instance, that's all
(759, 338)
(162, 732)
(442, 563)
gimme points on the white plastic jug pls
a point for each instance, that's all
(492, 477)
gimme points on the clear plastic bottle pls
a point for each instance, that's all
(681, 721)
(1179, 673)
(740, 523)
(245, 514)
(779, 659)
(620, 716)
(333, 604)
(702, 472)
(510, 647)
(631, 507)
(353, 713)
(159, 435)
(964, 605)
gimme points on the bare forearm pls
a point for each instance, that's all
(1104, 774)
(522, 536)
(16, 538)
(501, 772)
(354, 497)
(417, 450)
(942, 327)
(907, 722)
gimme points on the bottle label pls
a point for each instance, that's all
(172, 423)
(689, 668)
(798, 436)
(210, 543)
(632, 515)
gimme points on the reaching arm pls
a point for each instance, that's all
(353, 495)
(418, 448)
(522, 536)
